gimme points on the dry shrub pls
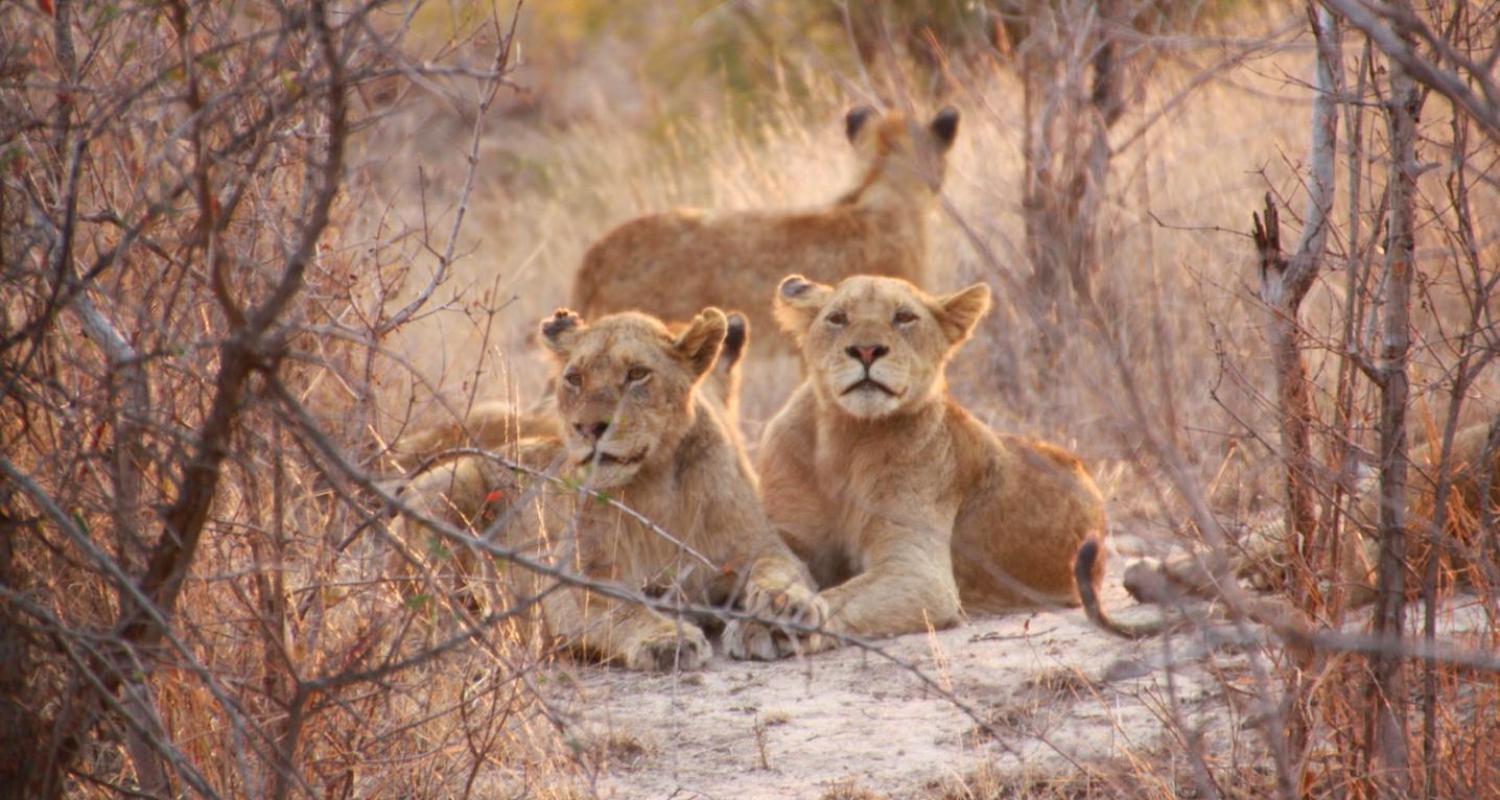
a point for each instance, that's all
(191, 581)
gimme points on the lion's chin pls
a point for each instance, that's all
(869, 402)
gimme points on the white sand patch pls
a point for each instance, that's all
(1055, 691)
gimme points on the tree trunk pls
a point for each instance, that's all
(1284, 282)
(1064, 182)
(1388, 696)
(19, 725)
(1282, 287)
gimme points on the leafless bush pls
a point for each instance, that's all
(1404, 343)
(186, 319)
(1412, 343)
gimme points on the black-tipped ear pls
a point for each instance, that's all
(794, 288)
(699, 344)
(798, 301)
(560, 330)
(856, 119)
(944, 126)
(735, 339)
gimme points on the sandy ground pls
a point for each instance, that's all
(1061, 701)
(1055, 691)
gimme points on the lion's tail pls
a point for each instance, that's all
(1086, 570)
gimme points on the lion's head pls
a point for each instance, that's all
(898, 154)
(877, 346)
(626, 386)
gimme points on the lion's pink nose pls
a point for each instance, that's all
(867, 353)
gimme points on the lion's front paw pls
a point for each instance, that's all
(758, 640)
(753, 640)
(792, 604)
(818, 642)
(668, 647)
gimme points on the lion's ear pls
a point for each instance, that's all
(959, 312)
(736, 336)
(699, 344)
(944, 127)
(798, 301)
(856, 119)
(561, 330)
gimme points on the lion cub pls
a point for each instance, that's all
(494, 424)
(631, 427)
(905, 507)
(675, 263)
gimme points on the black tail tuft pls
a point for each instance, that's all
(1083, 575)
(1083, 564)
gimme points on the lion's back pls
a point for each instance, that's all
(674, 264)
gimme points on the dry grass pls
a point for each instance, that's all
(1089, 782)
(850, 790)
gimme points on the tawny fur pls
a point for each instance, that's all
(907, 509)
(494, 424)
(488, 425)
(635, 428)
(674, 263)
(1472, 559)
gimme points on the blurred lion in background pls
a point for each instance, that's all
(674, 263)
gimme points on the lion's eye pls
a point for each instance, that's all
(573, 378)
(838, 319)
(637, 374)
(905, 317)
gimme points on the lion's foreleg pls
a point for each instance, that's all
(907, 587)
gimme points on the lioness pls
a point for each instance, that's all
(674, 263)
(634, 430)
(905, 507)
